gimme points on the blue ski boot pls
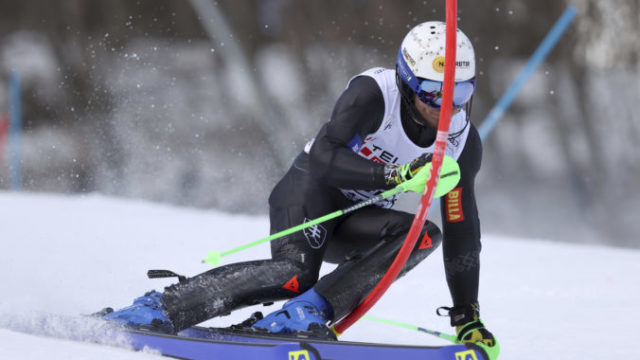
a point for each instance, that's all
(307, 315)
(147, 312)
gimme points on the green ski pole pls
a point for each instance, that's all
(213, 257)
(448, 337)
(492, 352)
(449, 178)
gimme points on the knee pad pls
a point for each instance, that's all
(353, 279)
(302, 279)
(429, 239)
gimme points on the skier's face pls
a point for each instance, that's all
(428, 113)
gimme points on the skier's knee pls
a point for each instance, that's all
(430, 237)
(301, 278)
(308, 279)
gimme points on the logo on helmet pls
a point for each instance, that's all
(408, 57)
(438, 64)
(463, 64)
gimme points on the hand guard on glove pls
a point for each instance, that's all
(413, 176)
(470, 328)
(397, 174)
(475, 332)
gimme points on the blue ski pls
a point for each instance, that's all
(199, 343)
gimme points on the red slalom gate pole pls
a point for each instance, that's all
(427, 198)
(4, 130)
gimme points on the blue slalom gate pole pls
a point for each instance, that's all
(15, 133)
(538, 56)
(543, 50)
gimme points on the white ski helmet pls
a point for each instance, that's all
(423, 50)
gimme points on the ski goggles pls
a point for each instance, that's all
(430, 91)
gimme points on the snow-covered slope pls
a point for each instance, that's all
(75, 255)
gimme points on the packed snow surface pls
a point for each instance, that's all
(65, 256)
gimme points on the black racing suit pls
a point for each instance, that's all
(364, 242)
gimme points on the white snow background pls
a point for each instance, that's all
(75, 255)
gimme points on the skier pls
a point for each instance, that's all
(381, 133)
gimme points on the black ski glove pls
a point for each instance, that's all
(469, 327)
